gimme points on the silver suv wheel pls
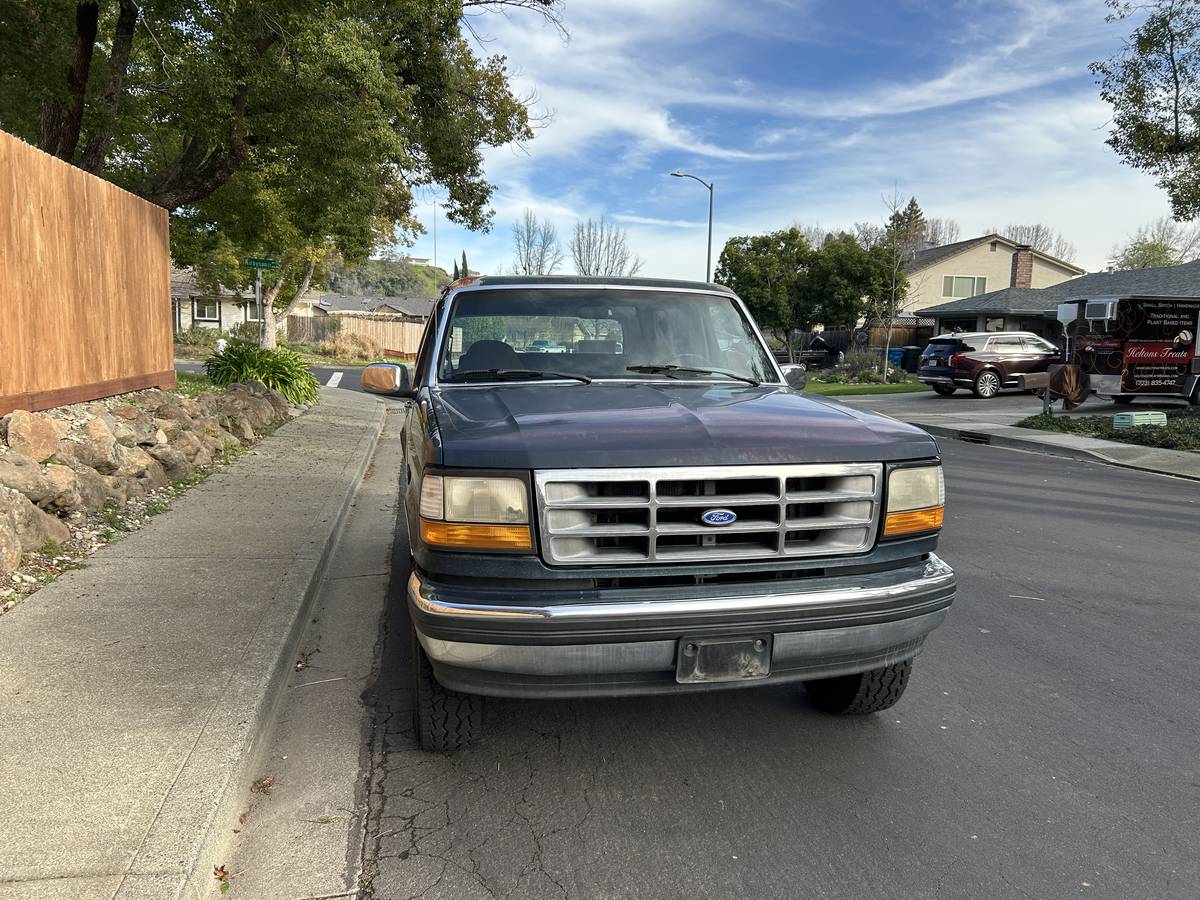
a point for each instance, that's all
(987, 385)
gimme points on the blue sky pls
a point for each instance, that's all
(807, 112)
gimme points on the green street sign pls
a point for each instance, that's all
(254, 262)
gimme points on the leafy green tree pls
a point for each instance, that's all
(1153, 86)
(841, 276)
(295, 129)
(767, 271)
(464, 270)
(1143, 254)
(457, 273)
(1163, 242)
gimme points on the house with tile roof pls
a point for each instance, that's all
(970, 268)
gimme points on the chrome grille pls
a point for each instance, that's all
(603, 516)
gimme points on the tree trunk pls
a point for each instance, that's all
(58, 131)
(96, 149)
(270, 319)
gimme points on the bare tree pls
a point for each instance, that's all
(814, 234)
(536, 248)
(1041, 238)
(599, 247)
(940, 231)
(870, 234)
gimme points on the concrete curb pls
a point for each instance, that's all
(1001, 436)
(261, 696)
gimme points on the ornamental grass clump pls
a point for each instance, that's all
(281, 370)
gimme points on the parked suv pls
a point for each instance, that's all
(984, 362)
(662, 512)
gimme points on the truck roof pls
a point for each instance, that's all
(667, 284)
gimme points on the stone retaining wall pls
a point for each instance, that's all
(59, 465)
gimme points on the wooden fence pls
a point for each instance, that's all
(396, 335)
(85, 298)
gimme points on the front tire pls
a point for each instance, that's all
(443, 719)
(943, 390)
(987, 384)
(866, 692)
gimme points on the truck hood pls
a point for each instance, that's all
(531, 426)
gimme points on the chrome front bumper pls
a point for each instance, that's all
(621, 647)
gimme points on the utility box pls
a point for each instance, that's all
(1125, 420)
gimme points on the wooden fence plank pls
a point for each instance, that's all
(396, 335)
(85, 302)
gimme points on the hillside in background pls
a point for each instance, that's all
(387, 278)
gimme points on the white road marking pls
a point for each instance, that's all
(334, 380)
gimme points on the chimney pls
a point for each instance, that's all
(1022, 267)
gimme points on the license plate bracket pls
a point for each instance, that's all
(712, 660)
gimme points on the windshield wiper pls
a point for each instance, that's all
(669, 368)
(506, 374)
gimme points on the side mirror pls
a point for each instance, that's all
(390, 379)
(795, 376)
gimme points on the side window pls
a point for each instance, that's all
(1037, 345)
(1009, 346)
(426, 347)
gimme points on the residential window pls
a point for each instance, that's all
(996, 324)
(253, 313)
(959, 286)
(205, 310)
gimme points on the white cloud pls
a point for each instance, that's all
(1001, 124)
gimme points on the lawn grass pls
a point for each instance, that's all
(1182, 431)
(191, 384)
(833, 389)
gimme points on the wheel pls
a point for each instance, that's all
(866, 692)
(944, 390)
(1124, 401)
(987, 384)
(443, 719)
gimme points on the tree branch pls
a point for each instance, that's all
(96, 148)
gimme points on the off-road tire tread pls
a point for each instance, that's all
(867, 692)
(445, 720)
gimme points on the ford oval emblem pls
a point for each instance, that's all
(718, 517)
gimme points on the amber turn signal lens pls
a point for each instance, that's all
(476, 537)
(913, 521)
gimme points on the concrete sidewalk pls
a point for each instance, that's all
(1180, 463)
(135, 689)
(997, 427)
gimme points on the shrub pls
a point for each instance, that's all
(245, 331)
(857, 360)
(198, 336)
(351, 346)
(281, 370)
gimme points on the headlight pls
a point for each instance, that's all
(470, 513)
(916, 500)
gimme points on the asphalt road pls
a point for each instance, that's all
(1045, 748)
(347, 377)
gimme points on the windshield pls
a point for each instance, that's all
(601, 334)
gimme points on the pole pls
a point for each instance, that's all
(258, 305)
(708, 262)
(435, 235)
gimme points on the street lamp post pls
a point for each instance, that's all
(709, 185)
